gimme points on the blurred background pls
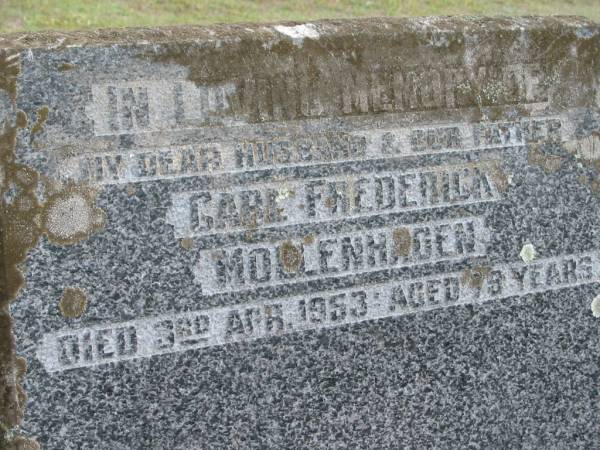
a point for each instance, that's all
(29, 15)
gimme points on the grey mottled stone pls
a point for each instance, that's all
(344, 234)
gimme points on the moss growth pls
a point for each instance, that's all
(9, 71)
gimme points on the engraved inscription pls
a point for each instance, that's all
(303, 222)
(319, 200)
(145, 105)
(145, 164)
(147, 337)
(250, 266)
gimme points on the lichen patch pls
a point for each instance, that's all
(42, 116)
(587, 152)
(550, 163)
(284, 193)
(475, 276)
(23, 443)
(290, 257)
(73, 303)
(71, 216)
(66, 66)
(67, 216)
(309, 239)
(528, 253)
(499, 177)
(131, 190)
(21, 120)
(187, 243)
(586, 148)
(402, 241)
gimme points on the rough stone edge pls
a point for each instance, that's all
(23, 220)
(186, 33)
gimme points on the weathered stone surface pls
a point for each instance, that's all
(371, 233)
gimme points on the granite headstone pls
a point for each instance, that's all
(373, 233)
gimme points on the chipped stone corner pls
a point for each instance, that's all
(595, 306)
(298, 32)
(65, 215)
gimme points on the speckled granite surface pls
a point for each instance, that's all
(345, 234)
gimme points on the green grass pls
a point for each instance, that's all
(19, 15)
